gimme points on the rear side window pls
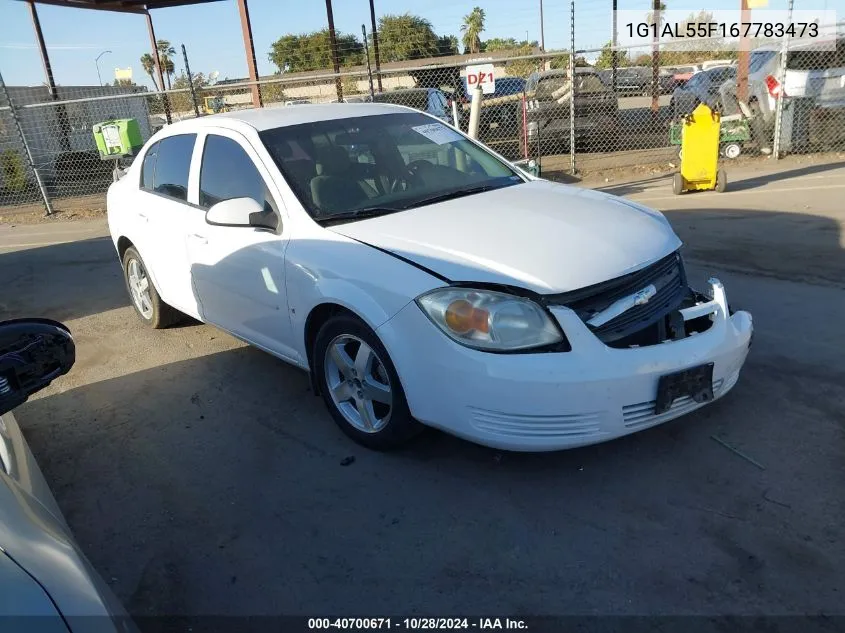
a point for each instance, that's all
(149, 167)
(228, 172)
(173, 163)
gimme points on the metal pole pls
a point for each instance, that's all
(572, 89)
(655, 59)
(29, 158)
(252, 67)
(154, 44)
(743, 56)
(338, 84)
(614, 58)
(190, 81)
(781, 78)
(369, 69)
(375, 44)
(542, 30)
(475, 111)
(61, 113)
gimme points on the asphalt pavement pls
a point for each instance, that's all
(202, 477)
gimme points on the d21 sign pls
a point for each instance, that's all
(481, 74)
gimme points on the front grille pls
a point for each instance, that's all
(667, 276)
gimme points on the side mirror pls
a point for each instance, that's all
(240, 212)
(33, 352)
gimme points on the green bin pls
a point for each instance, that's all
(118, 138)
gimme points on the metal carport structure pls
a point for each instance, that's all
(142, 7)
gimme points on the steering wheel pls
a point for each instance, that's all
(415, 170)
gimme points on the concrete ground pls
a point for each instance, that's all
(201, 476)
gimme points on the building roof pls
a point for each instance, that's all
(125, 6)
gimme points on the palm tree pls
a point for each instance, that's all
(472, 28)
(148, 63)
(165, 55)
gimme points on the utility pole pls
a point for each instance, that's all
(655, 58)
(333, 44)
(542, 34)
(375, 43)
(743, 56)
(614, 60)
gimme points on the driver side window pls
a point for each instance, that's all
(228, 172)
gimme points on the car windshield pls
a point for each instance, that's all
(759, 59)
(372, 165)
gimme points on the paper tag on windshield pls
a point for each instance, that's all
(438, 133)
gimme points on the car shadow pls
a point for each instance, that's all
(62, 281)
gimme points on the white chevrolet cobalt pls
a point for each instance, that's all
(422, 279)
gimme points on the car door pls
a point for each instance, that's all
(238, 272)
(165, 211)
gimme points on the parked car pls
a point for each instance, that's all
(429, 100)
(43, 572)
(420, 278)
(811, 73)
(637, 80)
(683, 74)
(702, 87)
(596, 108)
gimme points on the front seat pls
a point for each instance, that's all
(336, 188)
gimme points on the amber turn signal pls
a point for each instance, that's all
(461, 317)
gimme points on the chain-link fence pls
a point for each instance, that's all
(571, 109)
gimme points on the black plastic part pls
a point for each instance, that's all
(33, 352)
(696, 382)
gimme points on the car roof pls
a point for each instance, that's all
(281, 116)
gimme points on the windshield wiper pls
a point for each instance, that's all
(358, 214)
(460, 193)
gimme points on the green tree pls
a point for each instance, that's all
(472, 28)
(312, 51)
(407, 36)
(148, 63)
(448, 45)
(523, 67)
(165, 56)
(605, 59)
(506, 43)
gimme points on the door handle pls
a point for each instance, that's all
(201, 239)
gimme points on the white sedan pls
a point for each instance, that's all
(422, 279)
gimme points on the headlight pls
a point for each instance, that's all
(489, 320)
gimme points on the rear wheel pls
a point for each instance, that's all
(721, 181)
(145, 298)
(732, 150)
(677, 184)
(360, 386)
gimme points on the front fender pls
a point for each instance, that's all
(334, 269)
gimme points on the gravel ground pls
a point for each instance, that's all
(201, 476)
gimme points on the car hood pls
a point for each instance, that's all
(539, 235)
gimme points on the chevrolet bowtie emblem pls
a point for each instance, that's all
(640, 297)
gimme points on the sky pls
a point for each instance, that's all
(211, 31)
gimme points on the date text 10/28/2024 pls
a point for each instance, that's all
(419, 623)
(690, 30)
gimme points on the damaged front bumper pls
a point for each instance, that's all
(550, 401)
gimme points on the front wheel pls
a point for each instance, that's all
(360, 386)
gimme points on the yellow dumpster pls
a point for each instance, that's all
(700, 153)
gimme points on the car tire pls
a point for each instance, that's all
(351, 362)
(146, 301)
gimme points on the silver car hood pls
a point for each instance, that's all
(539, 235)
